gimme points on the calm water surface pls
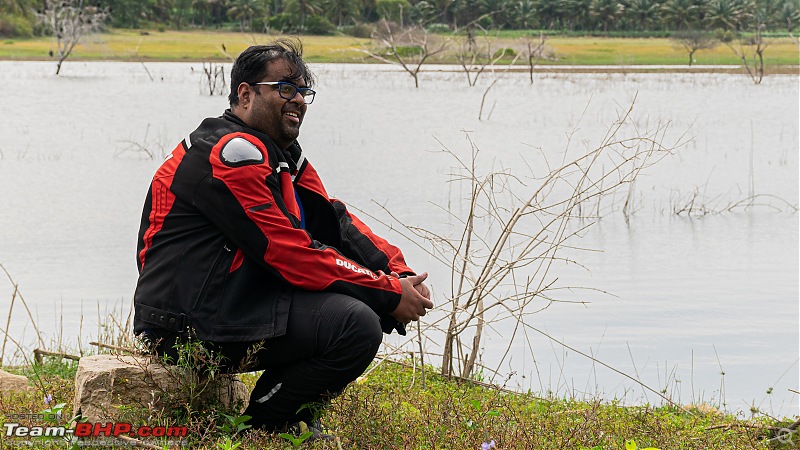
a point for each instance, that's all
(692, 297)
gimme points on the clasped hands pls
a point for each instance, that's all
(415, 299)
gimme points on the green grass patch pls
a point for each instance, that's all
(151, 45)
(393, 407)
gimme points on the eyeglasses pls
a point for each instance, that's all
(288, 90)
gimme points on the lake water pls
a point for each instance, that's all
(692, 296)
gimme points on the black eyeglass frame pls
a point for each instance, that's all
(304, 91)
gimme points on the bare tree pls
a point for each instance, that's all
(409, 48)
(214, 78)
(534, 50)
(694, 40)
(513, 232)
(491, 85)
(69, 21)
(474, 57)
(750, 50)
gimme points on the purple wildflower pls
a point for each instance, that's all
(488, 445)
(47, 399)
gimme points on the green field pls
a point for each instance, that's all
(134, 45)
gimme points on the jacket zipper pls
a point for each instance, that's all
(207, 281)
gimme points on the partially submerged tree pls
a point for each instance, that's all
(409, 48)
(474, 56)
(695, 40)
(533, 51)
(750, 50)
(69, 21)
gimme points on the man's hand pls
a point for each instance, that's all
(412, 304)
(423, 290)
(420, 287)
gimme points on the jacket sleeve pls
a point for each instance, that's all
(375, 251)
(357, 239)
(245, 200)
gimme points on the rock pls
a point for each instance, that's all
(12, 383)
(114, 388)
(704, 408)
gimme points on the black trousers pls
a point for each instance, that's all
(330, 340)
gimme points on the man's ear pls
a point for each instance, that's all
(245, 93)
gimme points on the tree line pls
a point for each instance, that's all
(19, 17)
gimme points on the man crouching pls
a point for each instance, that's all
(241, 248)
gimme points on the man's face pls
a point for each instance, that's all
(279, 118)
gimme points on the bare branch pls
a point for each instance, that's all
(69, 21)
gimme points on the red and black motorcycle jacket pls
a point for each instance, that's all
(232, 226)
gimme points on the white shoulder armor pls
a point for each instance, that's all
(240, 152)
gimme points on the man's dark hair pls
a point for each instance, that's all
(251, 65)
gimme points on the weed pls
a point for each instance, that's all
(296, 441)
(236, 424)
(630, 444)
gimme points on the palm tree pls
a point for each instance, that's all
(467, 13)
(576, 14)
(606, 11)
(680, 14)
(17, 7)
(212, 11)
(200, 8)
(498, 10)
(550, 13)
(725, 14)
(341, 11)
(523, 14)
(789, 15)
(244, 11)
(181, 9)
(643, 13)
(443, 6)
(301, 9)
(423, 13)
(766, 11)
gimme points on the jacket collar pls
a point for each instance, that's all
(292, 154)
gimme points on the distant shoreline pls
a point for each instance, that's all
(539, 69)
(578, 54)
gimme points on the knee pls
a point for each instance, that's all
(366, 328)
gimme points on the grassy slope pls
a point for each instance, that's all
(207, 45)
(390, 408)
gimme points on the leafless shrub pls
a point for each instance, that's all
(214, 79)
(534, 51)
(16, 294)
(147, 148)
(695, 40)
(491, 85)
(409, 48)
(474, 57)
(69, 21)
(750, 50)
(513, 230)
(696, 204)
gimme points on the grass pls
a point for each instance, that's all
(133, 45)
(394, 408)
(660, 51)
